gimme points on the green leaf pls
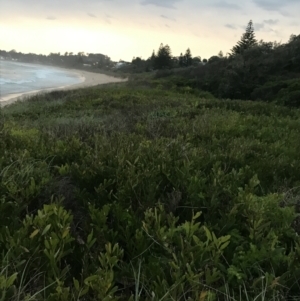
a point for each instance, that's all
(56, 254)
(216, 242)
(46, 252)
(34, 233)
(129, 163)
(203, 295)
(223, 239)
(208, 234)
(65, 233)
(11, 280)
(198, 214)
(224, 245)
(46, 229)
(90, 236)
(47, 244)
(84, 291)
(90, 279)
(196, 239)
(76, 284)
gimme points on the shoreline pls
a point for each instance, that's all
(89, 79)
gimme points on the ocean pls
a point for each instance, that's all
(19, 78)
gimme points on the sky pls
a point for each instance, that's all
(123, 29)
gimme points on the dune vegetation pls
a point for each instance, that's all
(148, 191)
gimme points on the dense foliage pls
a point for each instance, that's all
(254, 70)
(267, 72)
(122, 193)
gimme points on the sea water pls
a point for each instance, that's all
(17, 77)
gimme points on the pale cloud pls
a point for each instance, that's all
(226, 5)
(275, 5)
(108, 18)
(258, 26)
(160, 3)
(231, 26)
(271, 22)
(168, 18)
(294, 24)
(92, 15)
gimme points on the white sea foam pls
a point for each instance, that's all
(4, 81)
(21, 77)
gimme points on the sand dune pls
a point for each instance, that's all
(88, 79)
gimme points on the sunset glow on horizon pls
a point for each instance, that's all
(123, 30)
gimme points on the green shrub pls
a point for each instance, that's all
(148, 194)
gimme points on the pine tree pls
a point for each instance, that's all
(152, 58)
(181, 60)
(247, 41)
(164, 57)
(151, 61)
(188, 60)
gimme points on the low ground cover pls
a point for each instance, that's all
(115, 193)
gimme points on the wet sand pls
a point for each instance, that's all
(88, 79)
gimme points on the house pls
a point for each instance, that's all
(121, 64)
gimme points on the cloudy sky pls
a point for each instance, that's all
(123, 29)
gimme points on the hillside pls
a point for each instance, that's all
(137, 191)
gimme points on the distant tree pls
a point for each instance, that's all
(214, 58)
(175, 62)
(265, 47)
(139, 63)
(3, 53)
(220, 54)
(80, 59)
(136, 61)
(101, 62)
(204, 61)
(163, 58)
(150, 63)
(196, 60)
(188, 60)
(13, 54)
(66, 53)
(247, 40)
(181, 60)
(108, 62)
(153, 56)
(292, 38)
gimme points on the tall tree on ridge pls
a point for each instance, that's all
(247, 40)
(188, 60)
(152, 60)
(181, 60)
(164, 57)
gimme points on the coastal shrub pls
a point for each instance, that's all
(282, 92)
(136, 194)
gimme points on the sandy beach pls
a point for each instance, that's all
(88, 79)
